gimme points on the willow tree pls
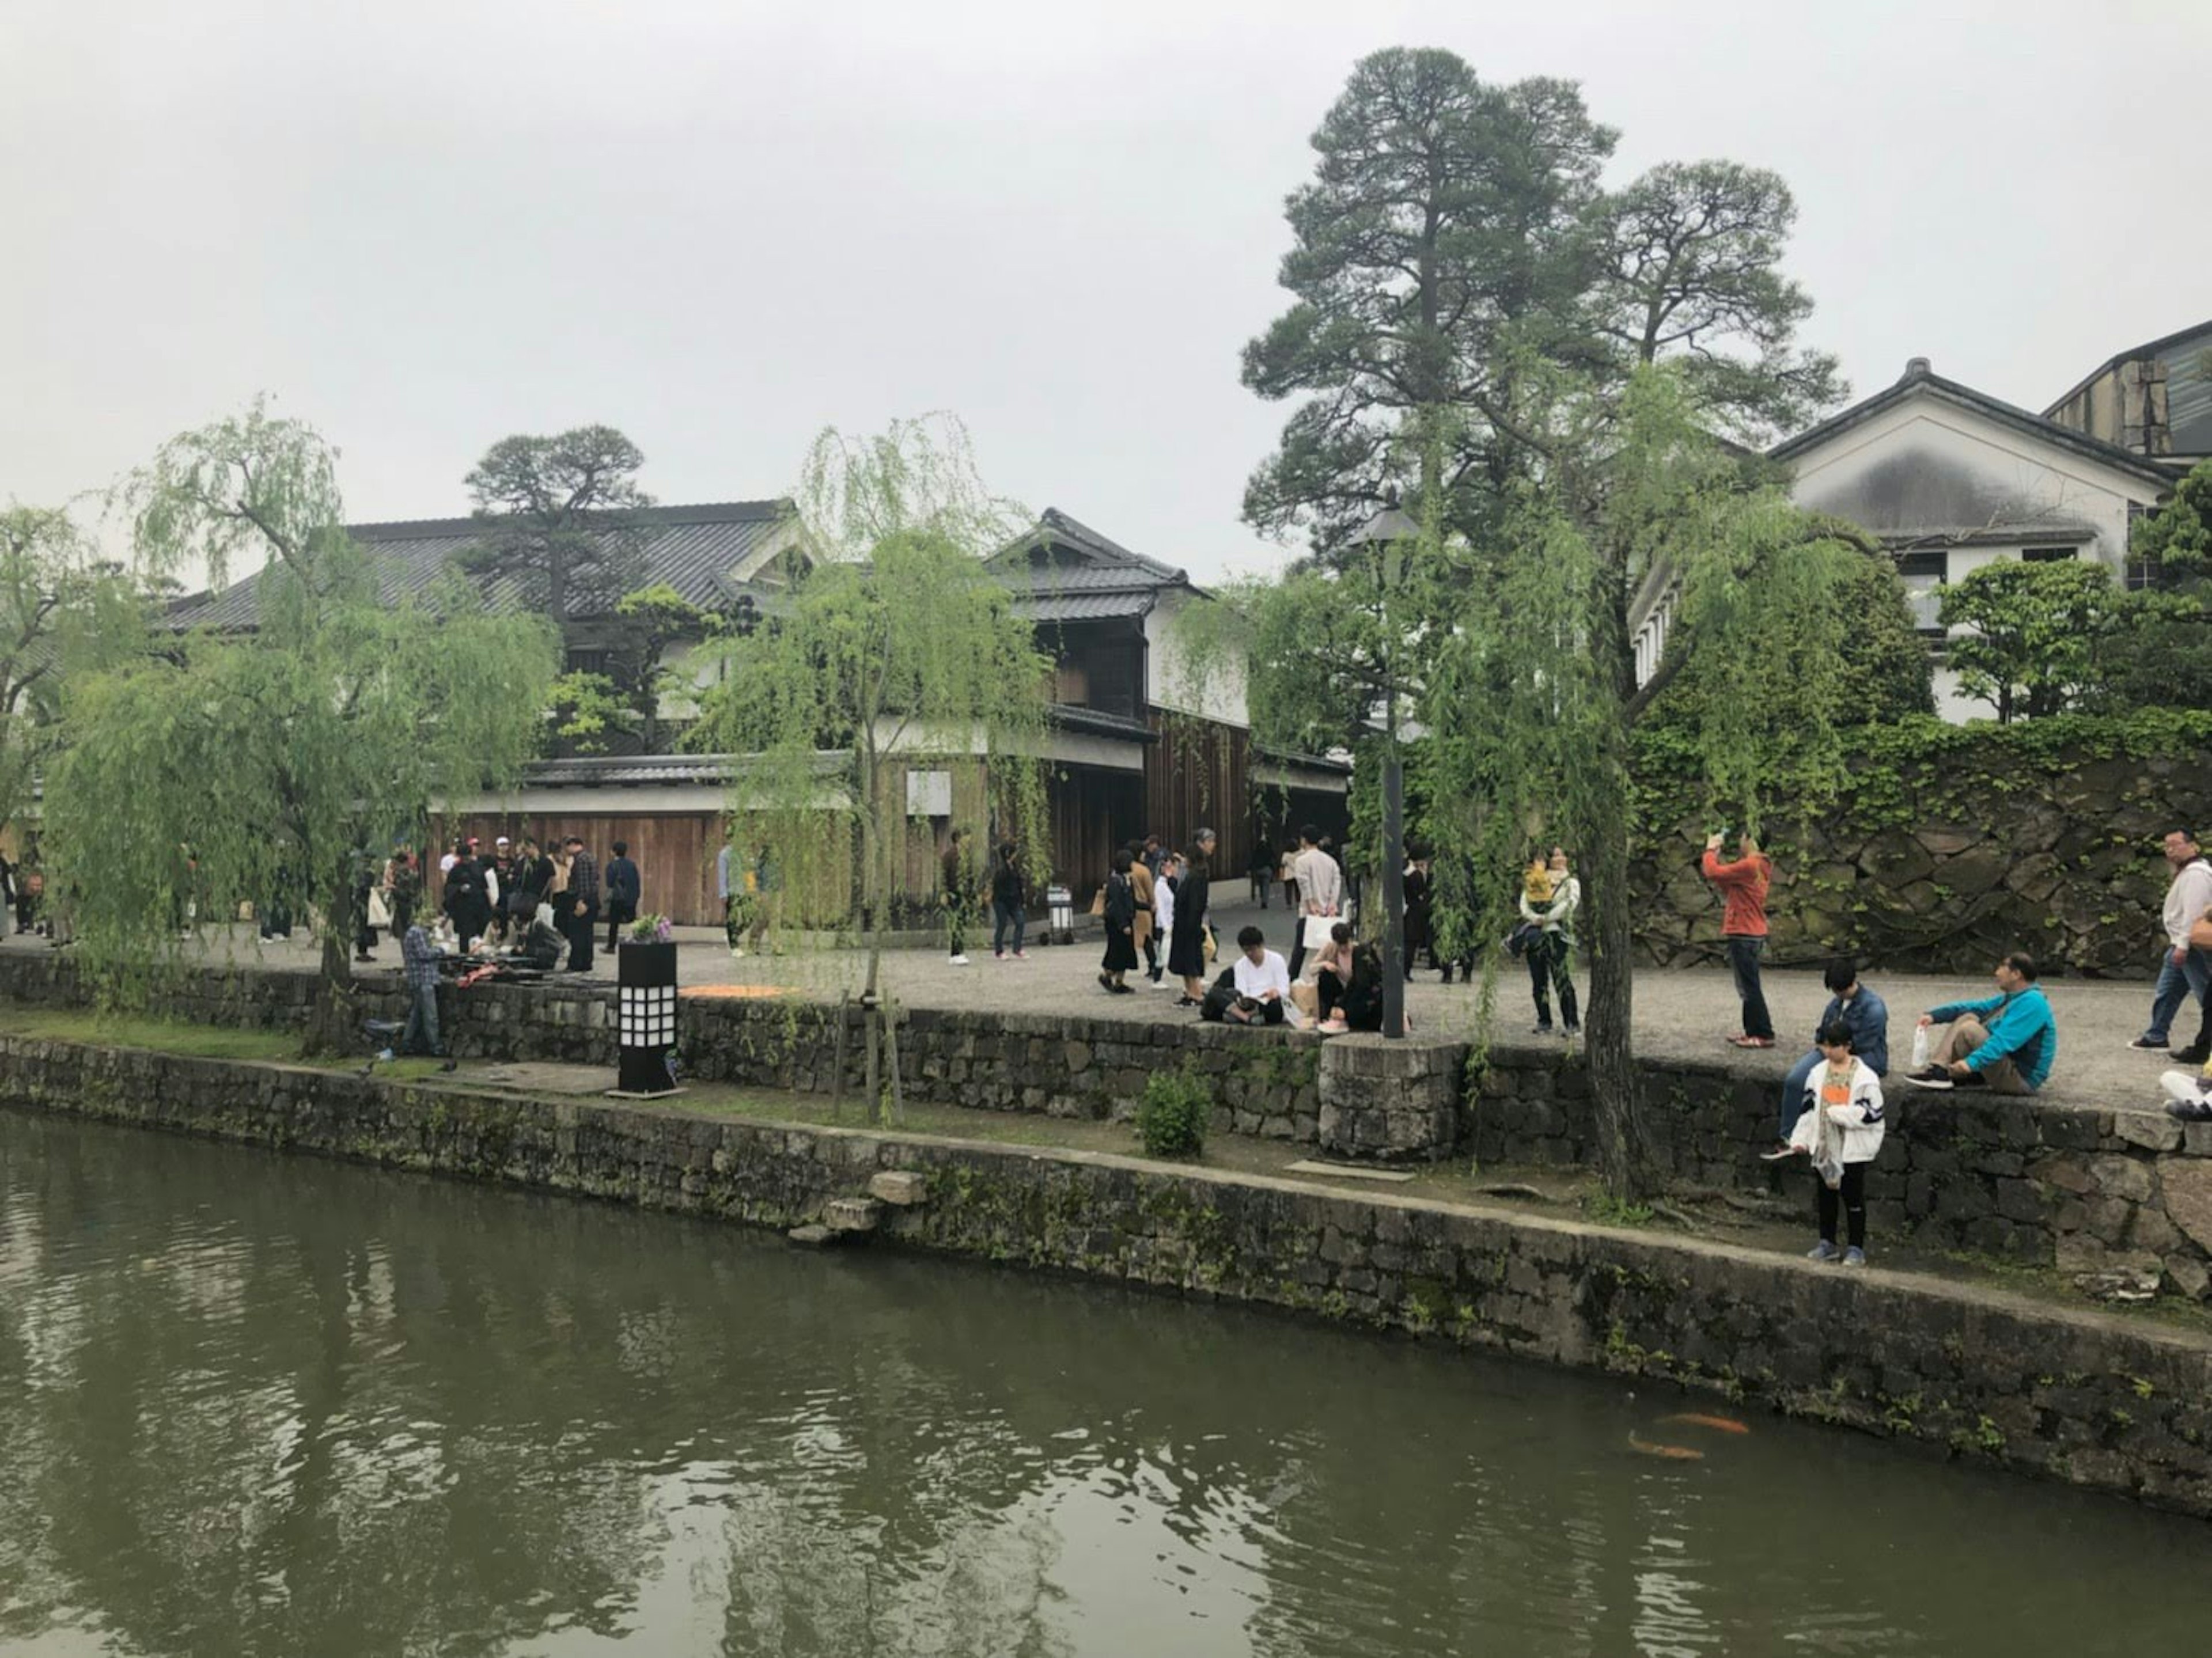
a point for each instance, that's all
(896, 651)
(1533, 702)
(63, 610)
(303, 742)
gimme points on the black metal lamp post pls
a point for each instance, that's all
(1389, 530)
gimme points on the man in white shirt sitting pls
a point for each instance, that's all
(1263, 982)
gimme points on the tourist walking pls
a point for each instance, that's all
(1259, 870)
(1118, 912)
(1320, 892)
(954, 893)
(1743, 886)
(1144, 881)
(1008, 916)
(2004, 1042)
(1851, 1005)
(1164, 903)
(1839, 1126)
(1287, 872)
(1187, 946)
(582, 903)
(403, 887)
(464, 901)
(420, 959)
(1550, 949)
(1420, 892)
(625, 890)
(2183, 971)
(1155, 854)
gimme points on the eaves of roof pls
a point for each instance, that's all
(1095, 722)
(1919, 378)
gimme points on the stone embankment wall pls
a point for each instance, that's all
(2080, 1188)
(1265, 1082)
(2120, 1405)
(1988, 843)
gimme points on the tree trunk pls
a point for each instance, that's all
(1623, 1148)
(330, 1023)
(1623, 1143)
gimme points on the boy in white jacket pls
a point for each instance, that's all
(1840, 1129)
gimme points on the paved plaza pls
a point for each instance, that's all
(1681, 1013)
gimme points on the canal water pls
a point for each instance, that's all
(252, 1405)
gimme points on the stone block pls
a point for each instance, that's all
(900, 1188)
(2121, 1177)
(2153, 1130)
(2185, 1187)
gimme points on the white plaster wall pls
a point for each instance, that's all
(1967, 473)
(1168, 684)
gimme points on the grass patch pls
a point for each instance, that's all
(194, 1042)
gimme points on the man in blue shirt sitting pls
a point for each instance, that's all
(2004, 1042)
(1849, 1004)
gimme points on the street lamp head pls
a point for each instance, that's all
(1393, 523)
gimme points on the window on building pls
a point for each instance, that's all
(1925, 571)
(2048, 554)
(589, 661)
(2140, 572)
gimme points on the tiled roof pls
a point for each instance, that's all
(1049, 606)
(691, 549)
(1065, 571)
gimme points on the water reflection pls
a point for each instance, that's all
(253, 1405)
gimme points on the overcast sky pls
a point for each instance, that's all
(720, 226)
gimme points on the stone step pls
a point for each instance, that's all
(815, 1235)
(843, 1215)
(899, 1187)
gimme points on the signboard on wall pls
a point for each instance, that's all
(929, 794)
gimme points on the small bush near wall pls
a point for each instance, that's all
(1947, 845)
(1171, 1120)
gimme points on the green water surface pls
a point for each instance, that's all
(259, 1404)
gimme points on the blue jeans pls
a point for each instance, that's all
(1005, 918)
(420, 1036)
(2189, 979)
(1793, 1089)
(1743, 956)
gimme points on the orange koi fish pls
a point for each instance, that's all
(1672, 1453)
(1725, 1424)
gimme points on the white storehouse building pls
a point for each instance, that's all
(1948, 479)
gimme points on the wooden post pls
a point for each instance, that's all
(837, 1043)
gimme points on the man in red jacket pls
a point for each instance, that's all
(1743, 886)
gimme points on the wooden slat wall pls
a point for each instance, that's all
(1093, 811)
(1198, 775)
(674, 852)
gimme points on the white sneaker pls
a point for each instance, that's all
(736, 955)
(958, 961)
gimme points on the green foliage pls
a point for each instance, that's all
(1173, 1116)
(1443, 214)
(1691, 258)
(1454, 236)
(586, 709)
(63, 611)
(2178, 537)
(2158, 654)
(273, 764)
(1883, 671)
(897, 650)
(2033, 632)
(556, 513)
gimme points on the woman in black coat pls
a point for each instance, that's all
(1187, 946)
(1120, 928)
